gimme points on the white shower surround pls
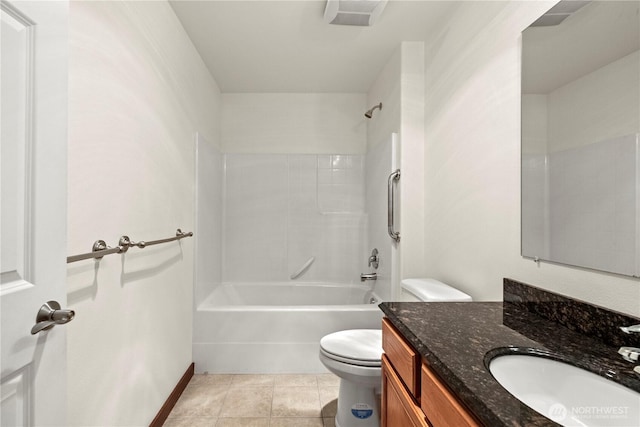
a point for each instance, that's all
(282, 209)
(276, 327)
(273, 213)
(260, 218)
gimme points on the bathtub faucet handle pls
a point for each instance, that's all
(373, 259)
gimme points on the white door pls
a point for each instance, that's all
(33, 125)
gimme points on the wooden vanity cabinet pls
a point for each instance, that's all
(412, 395)
(399, 409)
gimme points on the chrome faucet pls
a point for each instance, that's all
(373, 262)
(630, 329)
(373, 259)
(368, 276)
(631, 354)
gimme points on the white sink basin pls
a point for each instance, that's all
(568, 395)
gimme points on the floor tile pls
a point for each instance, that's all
(191, 422)
(296, 380)
(328, 380)
(211, 379)
(329, 400)
(200, 400)
(265, 400)
(247, 402)
(242, 380)
(296, 402)
(296, 422)
(329, 422)
(243, 422)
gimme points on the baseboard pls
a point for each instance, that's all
(164, 412)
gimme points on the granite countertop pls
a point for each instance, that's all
(454, 337)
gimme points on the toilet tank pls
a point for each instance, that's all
(427, 290)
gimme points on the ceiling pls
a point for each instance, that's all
(285, 46)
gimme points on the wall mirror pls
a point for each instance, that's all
(580, 136)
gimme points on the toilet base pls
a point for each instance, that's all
(358, 406)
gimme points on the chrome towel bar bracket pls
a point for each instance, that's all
(99, 250)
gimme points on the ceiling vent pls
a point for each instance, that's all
(559, 13)
(353, 12)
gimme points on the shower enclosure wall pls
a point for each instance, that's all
(282, 210)
(281, 242)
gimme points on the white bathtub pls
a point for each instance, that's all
(276, 327)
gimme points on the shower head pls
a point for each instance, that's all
(369, 113)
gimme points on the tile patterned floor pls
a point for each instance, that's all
(257, 401)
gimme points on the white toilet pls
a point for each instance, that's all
(355, 356)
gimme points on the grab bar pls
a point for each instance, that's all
(101, 249)
(302, 269)
(395, 235)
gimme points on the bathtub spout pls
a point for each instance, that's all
(368, 276)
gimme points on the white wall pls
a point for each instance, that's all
(382, 159)
(302, 123)
(209, 219)
(400, 88)
(138, 94)
(385, 89)
(472, 163)
(412, 140)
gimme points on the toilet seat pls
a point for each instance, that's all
(360, 347)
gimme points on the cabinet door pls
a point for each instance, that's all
(398, 408)
(440, 406)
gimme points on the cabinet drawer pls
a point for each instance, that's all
(440, 406)
(402, 356)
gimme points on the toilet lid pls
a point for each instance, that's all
(356, 346)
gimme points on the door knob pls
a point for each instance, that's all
(50, 315)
